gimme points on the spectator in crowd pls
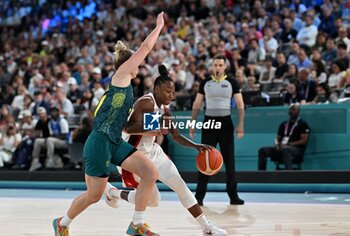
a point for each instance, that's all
(238, 62)
(307, 85)
(303, 60)
(293, 94)
(5, 116)
(327, 23)
(321, 42)
(343, 37)
(39, 102)
(293, 57)
(251, 84)
(270, 43)
(323, 94)
(330, 53)
(342, 55)
(18, 101)
(255, 53)
(21, 157)
(64, 105)
(89, 101)
(288, 33)
(336, 76)
(290, 142)
(291, 75)
(307, 34)
(281, 66)
(9, 140)
(74, 93)
(81, 133)
(51, 134)
(318, 72)
(346, 91)
(267, 74)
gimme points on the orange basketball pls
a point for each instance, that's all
(209, 162)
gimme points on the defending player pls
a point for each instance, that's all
(105, 144)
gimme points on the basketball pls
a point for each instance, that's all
(209, 162)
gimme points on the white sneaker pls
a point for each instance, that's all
(35, 165)
(111, 200)
(214, 230)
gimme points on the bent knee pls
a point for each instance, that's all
(151, 175)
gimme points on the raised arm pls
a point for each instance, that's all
(135, 60)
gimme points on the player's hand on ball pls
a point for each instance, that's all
(203, 147)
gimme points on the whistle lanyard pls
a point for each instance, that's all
(292, 129)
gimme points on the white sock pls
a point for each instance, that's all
(114, 192)
(65, 221)
(202, 220)
(108, 187)
(138, 217)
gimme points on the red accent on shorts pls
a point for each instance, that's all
(127, 176)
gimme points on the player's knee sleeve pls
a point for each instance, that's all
(170, 176)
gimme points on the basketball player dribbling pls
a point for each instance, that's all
(144, 141)
(105, 144)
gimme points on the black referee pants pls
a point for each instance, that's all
(224, 137)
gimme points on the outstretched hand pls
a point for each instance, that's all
(160, 19)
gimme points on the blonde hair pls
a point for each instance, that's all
(121, 54)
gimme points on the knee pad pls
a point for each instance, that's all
(170, 176)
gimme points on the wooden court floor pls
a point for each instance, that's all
(33, 216)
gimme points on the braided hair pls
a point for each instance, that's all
(163, 77)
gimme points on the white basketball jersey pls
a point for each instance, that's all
(146, 142)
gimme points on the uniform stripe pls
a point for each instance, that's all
(99, 104)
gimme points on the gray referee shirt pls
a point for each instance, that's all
(218, 95)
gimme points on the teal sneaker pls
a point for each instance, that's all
(59, 230)
(140, 230)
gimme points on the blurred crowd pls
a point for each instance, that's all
(59, 54)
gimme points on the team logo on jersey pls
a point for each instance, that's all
(118, 99)
(151, 120)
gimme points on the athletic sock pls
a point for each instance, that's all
(65, 221)
(202, 220)
(114, 192)
(138, 217)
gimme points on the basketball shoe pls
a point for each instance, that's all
(111, 201)
(60, 230)
(214, 231)
(140, 230)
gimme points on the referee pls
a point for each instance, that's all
(218, 91)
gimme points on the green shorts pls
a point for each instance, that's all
(99, 152)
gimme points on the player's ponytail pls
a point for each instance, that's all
(163, 70)
(163, 77)
(121, 54)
